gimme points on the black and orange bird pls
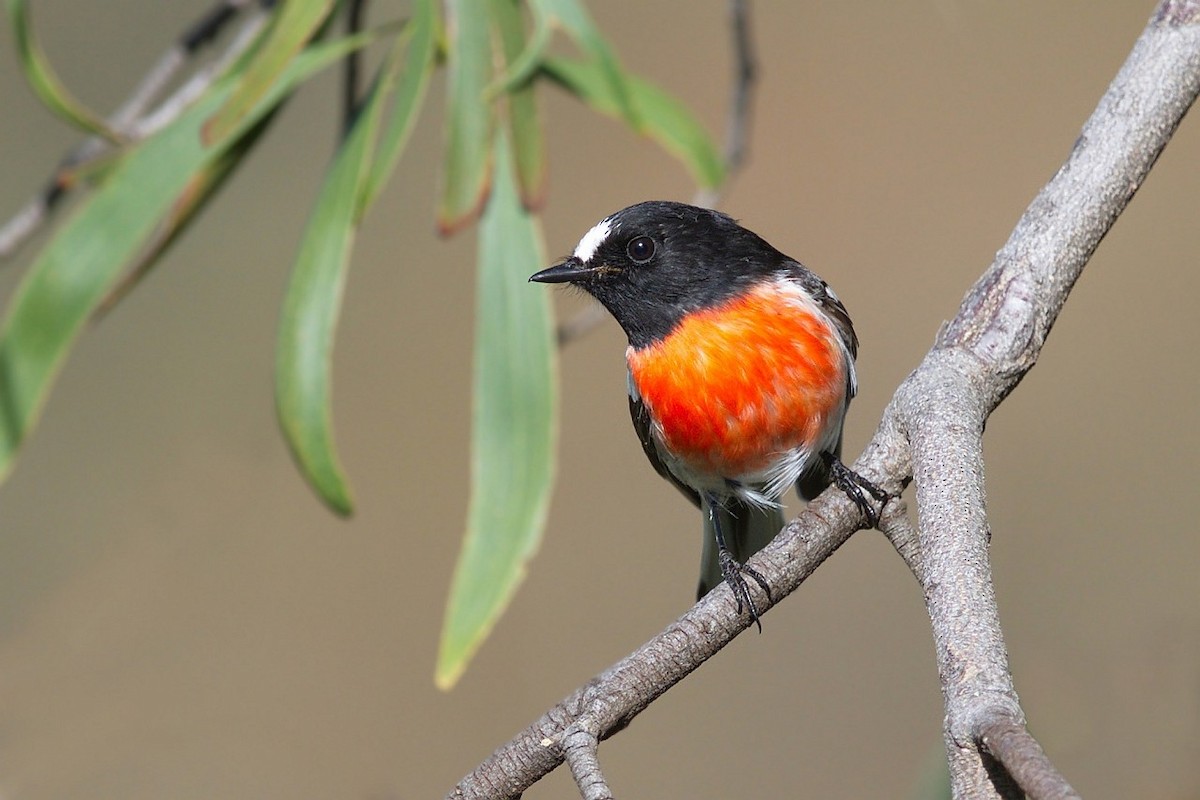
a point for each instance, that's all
(741, 368)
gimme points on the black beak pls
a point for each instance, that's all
(567, 271)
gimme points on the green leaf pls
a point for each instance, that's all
(304, 363)
(200, 189)
(523, 64)
(572, 15)
(409, 94)
(666, 120)
(76, 269)
(469, 116)
(514, 420)
(45, 83)
(293, 25)
(529, 144)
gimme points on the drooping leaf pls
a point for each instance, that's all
(665, 119)
(522, 66)
(466, 172)
(79, 265)
(513, 425)
(200, 189)
(407, 98)
(291, 27)
(45, 82)
(525, 129)
(573, 17)
(304, 363)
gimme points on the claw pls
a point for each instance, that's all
(856, 487)
(732, 571)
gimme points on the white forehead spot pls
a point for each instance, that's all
(592, 240)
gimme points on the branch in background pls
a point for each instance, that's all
(353, 68)
(135, 119)
(745, 75)
(931, 433)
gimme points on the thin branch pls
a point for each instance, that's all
(745, 75)
(899, 530)
(737, 123)
(1009, 743)
(581, 324)
(135, 119)
(353, 66)
(608, 702)
(931, 432)
(580, 746)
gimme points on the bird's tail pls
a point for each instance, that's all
(747, 530)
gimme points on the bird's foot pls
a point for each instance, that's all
(733, 571)
(856, 487)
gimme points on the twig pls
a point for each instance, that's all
(580, 746)
(737, 124)
(353, 64)
(745, 76)
(609, 701)
(931, 432)
(134, 119)
(581, 324)
(1007, 741)
(898, 528)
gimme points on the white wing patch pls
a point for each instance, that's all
(592, 240)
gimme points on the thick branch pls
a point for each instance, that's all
(940, 411)
(984, 352)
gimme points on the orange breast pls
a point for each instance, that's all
(735, 386)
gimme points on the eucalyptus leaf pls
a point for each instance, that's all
(513, 425)
(78, 267)
(45, 83)
(304, 362)
(469, 116)
(665, 119)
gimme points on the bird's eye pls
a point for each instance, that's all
(640, 249)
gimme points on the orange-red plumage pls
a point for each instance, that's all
(736, 385)
(741, 368)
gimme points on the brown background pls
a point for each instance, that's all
(180, 618)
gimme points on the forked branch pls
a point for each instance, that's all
(931, 434)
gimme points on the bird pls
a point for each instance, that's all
(741, 367)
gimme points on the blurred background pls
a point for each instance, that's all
(180, 617)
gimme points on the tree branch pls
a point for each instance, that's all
(135, 119)
(580, 748)
(983, 353)
(931, 433)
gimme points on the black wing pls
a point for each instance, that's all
(641, 424)
(816, 478)
(829, 303)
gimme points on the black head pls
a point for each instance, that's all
(652, 263)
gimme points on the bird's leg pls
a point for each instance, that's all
(856, 487)
(732, 569)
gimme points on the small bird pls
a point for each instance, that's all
(741, 368)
